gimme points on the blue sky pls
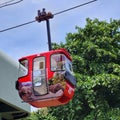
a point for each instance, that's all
(32, 38)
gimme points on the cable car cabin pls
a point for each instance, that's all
(46, 79)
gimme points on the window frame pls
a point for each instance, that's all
(56, 65)
(44, 75)
(22, 66)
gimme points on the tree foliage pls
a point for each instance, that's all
(41, 114)
(95, 50)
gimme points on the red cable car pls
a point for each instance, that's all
(46, 79)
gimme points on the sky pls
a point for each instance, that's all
(32, 38)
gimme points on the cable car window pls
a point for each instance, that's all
(57, 83)
(57, 62)
(39, 76)
(24, 63)
(69, 66)
(23, 68)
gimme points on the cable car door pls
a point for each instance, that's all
(39, 77)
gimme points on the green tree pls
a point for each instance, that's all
(41, 114)
(95, 50)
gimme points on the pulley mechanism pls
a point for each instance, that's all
(42, 16)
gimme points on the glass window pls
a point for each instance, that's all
(39, 76)
(39, 63)
(24, 63)
(57, 62)
(69, 66)
(23, 68)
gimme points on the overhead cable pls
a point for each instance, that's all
(53, 14)
(9, 3)
(17, 26)
(75, 7)
(6, 2)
